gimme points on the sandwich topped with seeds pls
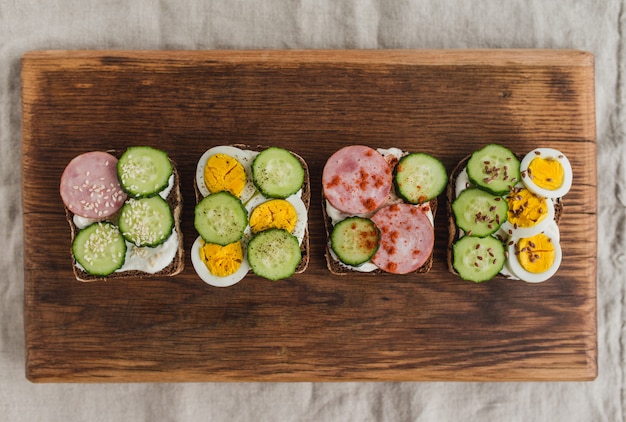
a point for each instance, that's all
(124, 214)
(503, 213)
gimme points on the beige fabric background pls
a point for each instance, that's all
(596, 26)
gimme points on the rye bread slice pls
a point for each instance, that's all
(453, 231)
(338, 268)
(306, 198)
(175, 201)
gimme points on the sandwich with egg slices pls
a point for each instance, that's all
(503, 214)
(251, 214)
(379, 207)
(124, 214)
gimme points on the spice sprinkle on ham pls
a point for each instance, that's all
(357, 179)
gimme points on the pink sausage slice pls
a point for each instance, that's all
(406, 238)
(356, 179)
(89, 185)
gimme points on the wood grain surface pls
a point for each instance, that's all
(314, 326)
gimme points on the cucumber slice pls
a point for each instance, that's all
(99, 248)
(220, 218)
(144, 171)
(479, 213)
(478, 259)
(277, 173)
(494, 168)
(355, 240)
(274, 254)
(419, 178)
(146, 221)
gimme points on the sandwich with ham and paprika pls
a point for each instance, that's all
(379, 207)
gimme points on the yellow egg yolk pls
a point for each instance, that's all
(222, 260)
(547, 173)
(223, 173)
(276, 213)
(536, 254)
(525, 208)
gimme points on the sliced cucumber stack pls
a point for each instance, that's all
(355, 240)
(220, 218)
(494, 168)
(100, 249)
(277, 173)
(419, 178)
(478, 259)
(274, 254)
(146, 221)
(144, 171)
(479, 213)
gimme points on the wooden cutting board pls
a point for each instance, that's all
(314, 326)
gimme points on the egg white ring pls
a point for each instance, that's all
(516, 268)
(547, 153)
(244, 157)
(301, 224)
(203, 271)
(510, 229)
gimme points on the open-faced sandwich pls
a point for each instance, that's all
(379, 207)
(251, 214)
(504, 214)
(124, 214)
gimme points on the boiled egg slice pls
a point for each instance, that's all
(221, 168)
(277, 213)
(528, 213)
(202, 267)
(536, 258)
(547, 172)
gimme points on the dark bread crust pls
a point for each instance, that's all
(175, 201)
(306, 198)
(453, 232)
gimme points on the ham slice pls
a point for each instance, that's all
(89, 186)
(356, 179)
(407, 238)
